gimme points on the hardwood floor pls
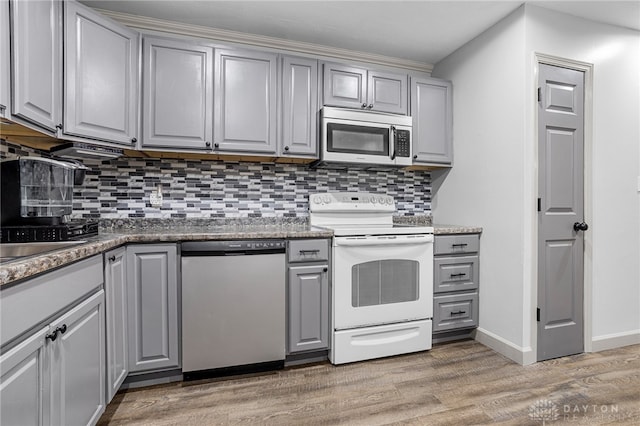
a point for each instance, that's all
(459, 383)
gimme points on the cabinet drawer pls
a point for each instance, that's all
(28, 304)
(453, 244)
(308, 250)
(455, 311)
(455, 273)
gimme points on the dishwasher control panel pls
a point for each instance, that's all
(201, 248)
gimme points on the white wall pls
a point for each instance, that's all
(493, 181)
(485, 186)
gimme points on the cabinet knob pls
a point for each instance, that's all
(286, 148)
(415, 157)
(207, 144)
(216, 145)
(53, 335)
(370, 106)
(62, 329)
(134, 140)
(59, 126)
(364, 106)
(112, 258)
(325, 269)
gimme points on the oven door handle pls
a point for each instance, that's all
(384, 240)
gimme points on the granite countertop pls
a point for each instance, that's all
(111, 238)
(455, 229)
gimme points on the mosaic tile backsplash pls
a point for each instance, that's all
(214, 189)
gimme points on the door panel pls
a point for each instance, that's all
(431, 110)
(101, 70)
(36, 48)
(178, 94)
(245, 101)
(560, 252)
(387, 92)
(299, 105)
(344, 86)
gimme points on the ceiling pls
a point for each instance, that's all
(418, 30)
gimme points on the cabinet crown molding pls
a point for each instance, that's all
(160, 25)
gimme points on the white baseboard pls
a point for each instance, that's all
(616, 340)
(523, 356)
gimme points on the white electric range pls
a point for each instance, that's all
(382, 277)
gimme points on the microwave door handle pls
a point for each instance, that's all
(393, 139)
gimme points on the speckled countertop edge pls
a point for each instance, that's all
(12, 272)
(455, 229)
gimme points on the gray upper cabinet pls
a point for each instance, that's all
(115, 287)
(245, 101)
(152, 281)
(344, 86)
(36, 67)
(387, 92)
(178, 94)
(101, 77)
(299, 106)
(431, 110)
(5, 68)
(353, 87)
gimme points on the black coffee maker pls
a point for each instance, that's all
(37, 199)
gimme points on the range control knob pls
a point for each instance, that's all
(317, 199)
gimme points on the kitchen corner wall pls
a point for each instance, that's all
(202, 189)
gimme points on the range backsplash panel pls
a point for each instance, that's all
(121, 188)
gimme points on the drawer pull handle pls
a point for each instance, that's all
(303, 252)
(458, 312)
(459, 245)
(457, 275)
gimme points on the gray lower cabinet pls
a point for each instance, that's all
(245, 101)
(100, 75)
(308, 295)
(153, 300)
(355, 87)
(177, 94)
(115, 287)
(52, 363)
(455, 283)
(432, 111)
(299, 107)
(36, 62)
(5, 61)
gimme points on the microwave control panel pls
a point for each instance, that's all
(403, 143)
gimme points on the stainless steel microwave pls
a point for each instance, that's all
(365, 137)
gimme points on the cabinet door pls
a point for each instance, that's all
(178, 94)
(22, 372)
(36, 49)
(308, 308)
(431, 109)
(101, 76)
(115, 287)
(77, 360)
(152, 281)
(387, 92)
(344, 86)
(245, 101)
(5, 68)
(299, 106)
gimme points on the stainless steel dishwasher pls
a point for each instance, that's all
(233, 307)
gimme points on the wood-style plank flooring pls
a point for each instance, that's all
(459, 383)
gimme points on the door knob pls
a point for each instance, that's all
(580, 226)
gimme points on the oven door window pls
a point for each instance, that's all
(354, 139)
(383, 282)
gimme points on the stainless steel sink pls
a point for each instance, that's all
(12, 251)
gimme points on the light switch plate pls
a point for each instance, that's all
(155, 198)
